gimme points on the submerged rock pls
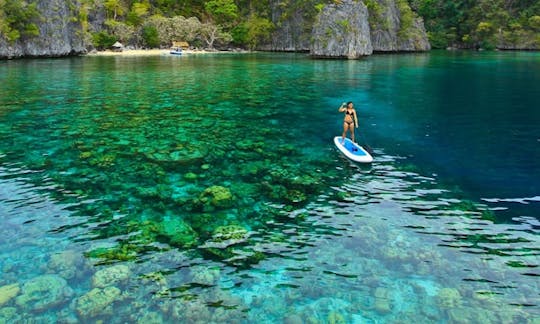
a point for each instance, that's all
(190, 176)
(177, 232)
(44, 292)
(231, 234)
(97, 302)
(151, 318)
(68, 264)
(8, 292)
(10, 315)
(448, 298)
(182, 156)
(205, 275)
(111, 275)
(382, 300)
(295, 196)
(217, 196)
(225, 244)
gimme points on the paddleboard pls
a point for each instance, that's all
(352, 150)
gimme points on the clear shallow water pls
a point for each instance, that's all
(207, 188)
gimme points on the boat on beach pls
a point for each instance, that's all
(176, 50)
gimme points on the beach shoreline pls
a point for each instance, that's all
(153, 52)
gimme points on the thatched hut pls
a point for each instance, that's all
(182, 45)
(117, 47)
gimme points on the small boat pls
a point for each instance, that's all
(176, 51)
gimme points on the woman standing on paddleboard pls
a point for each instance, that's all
(350, 121)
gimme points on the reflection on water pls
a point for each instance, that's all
(177, 208)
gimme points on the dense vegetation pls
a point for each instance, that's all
(18, 19)
(203, 23)
(152, 23)
(481, 23)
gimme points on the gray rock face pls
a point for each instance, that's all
(342, 30)
(292, 33)
(59, 34)
(526, 42)
(348, 30)
(395, 28)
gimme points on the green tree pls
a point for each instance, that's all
(223, 12)
(258, 31)
(139, 11)
(473, 23)
(115, 8)
(534, 23)
(121, 31)
(103, 40)
(211, 33)
(18, 19)
(150, 36)
(240, 34)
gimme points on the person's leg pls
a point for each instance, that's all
(351, 127)
(345, 126)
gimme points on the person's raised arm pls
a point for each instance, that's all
(343, 107)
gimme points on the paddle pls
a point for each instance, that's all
(368, 149)
(366, 146)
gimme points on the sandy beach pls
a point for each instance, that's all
(150, 52)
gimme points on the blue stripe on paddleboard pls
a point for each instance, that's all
(349, 145)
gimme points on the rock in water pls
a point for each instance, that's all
(8, 292)
(342, 30)
(44, 292)
(111, 275)
(97, 302)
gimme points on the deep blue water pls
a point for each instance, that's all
(207, 188)
(467, 117)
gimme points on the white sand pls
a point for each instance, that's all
(147, 52)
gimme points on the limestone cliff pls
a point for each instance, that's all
(342, 30)
(396, 28)
(59, 34)
(347, 29)
(293, 29)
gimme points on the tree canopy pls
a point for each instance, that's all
(480, 23)
(456, 23)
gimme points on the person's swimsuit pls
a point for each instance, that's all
(352, 117)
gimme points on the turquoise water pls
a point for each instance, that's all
(208, 189)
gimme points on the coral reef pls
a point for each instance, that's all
(382, 300)
(134, 216)
(8, 292)
(97, 302)
(177, 232)
(9, 315)
(449, 298)
(217, 196)
(68, 264)
(44, 292)
(111, 275)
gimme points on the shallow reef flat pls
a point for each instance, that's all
(154, 190)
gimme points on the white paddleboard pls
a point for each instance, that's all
(352, 150)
